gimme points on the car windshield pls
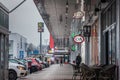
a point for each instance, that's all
(15, 61)
(22, 60)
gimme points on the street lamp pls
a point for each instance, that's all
(87, 30)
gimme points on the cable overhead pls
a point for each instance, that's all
(17, 6)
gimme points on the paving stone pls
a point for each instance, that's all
(54, 72)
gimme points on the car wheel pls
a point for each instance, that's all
(12, 75)
(33, 69)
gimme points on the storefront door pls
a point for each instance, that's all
(110, 44)
(3, 56)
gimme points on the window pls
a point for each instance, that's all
(113, 44)
(109, 16)
(4, 19)
(1, 18)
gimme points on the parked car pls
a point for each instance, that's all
(16, 70)
(44, 63)
(34, 65)
(18, 62)
(40, 62)
(29, 65)
(24, 62)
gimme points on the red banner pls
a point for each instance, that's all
(51, 42)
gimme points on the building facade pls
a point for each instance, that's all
(102, 46)
(4, 33)
(17, 46)
(103, 17)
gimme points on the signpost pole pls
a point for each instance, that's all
(40, 42)
(41, 29)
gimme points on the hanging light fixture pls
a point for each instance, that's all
(66, 13)
(67, 7)
(67, 4)
(60, 18)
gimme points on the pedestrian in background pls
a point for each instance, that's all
(61, 62)
(78, 60)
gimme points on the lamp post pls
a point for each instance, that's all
(40, 42)
(87, 33)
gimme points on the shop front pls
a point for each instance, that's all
(4, 43)
(109, 33)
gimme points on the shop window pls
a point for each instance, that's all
(104, 21)
(114, 11)
(4, 19)
(1, 18)
(113, 43)
(109, 15)
(108, 22)
(2, 50)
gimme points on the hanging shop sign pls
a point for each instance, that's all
(73, 48)
(78, 14)
(78, 39)
(74, 34)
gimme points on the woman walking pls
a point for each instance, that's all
(61, 62)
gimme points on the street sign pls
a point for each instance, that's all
(73, 48)
(78, 14)
(78, 39)
(21, 54)
(40, 27)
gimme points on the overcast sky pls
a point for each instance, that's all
(24, 21)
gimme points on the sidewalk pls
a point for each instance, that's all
(54, 72)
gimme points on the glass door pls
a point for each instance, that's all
(110, 45)
(0, 61)
(2, 55)
(106, 35)
(113, 44)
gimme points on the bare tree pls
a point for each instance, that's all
(30, 48)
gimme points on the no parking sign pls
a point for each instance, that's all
(78, 39)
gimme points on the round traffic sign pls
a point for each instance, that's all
(78, 39)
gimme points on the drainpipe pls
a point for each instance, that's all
(87, 51)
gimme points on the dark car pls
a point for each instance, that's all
(34, 65)
(45, 64)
